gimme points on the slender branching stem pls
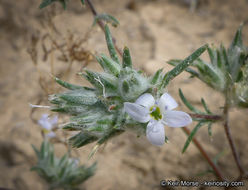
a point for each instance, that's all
(205, 155)
(101, 24)
(230, 140)
(207, 117)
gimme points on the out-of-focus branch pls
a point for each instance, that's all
(207, 117)
(101, 24)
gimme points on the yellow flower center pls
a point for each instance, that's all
(45, 131)
(155, 113)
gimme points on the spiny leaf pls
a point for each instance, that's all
(219, 61)
(191, 136)
(81, 97)
(82, 139)
(183, 65)
(205, 106)
(212, 54)
(207, 70)
(127, 60)
(110, 45)
(72, 127)
(110, 66)
(101, 80)
(67, 85)
(224, 54)
(107, 18)
(237, 41)
(175, 62)
(187, 103)
(156, 76)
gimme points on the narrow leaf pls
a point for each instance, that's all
(210, 129)
(127, 60)
(237, 41)
(67, 85)
(187, 103)
(191, 136)
(219, 61)
(82, 139)
(110, 44)
(81, 96)
(205, 106)
(212, 54)
(175, 62)
(224, 54)
(110, 66)
(183, 65)
(156, 76)
(101, 80)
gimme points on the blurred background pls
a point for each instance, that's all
(35, 43)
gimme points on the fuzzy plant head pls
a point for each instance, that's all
(98, 112)
(60, 173)
(227, 70)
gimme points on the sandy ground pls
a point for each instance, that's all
(155, 31)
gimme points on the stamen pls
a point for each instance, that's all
(153, 109)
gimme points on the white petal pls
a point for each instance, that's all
(137, 112)
(176, 118)
(54, 120)
(155, 133)
(166, 102)
(44, 123)
(146, 100)
(50, 135)
(44, 117)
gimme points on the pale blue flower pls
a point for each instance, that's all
(47, 124)
(157, 113)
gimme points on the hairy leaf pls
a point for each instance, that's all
(183, 65)
(191, 136)
(110, 44)
(127, 60)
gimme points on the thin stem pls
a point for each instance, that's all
(205, 116)
(101, 24)
(205, 155)
(230, 140)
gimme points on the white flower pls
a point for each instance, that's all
(158, 113)
(47, 125)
